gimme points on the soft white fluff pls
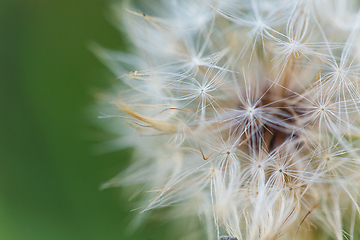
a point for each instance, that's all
(247, 110)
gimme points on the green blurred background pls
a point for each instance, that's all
(49, 178)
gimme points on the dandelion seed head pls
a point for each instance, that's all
(246, 110)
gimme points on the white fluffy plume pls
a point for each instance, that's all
(247, 110)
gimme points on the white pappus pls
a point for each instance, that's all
(248, 111)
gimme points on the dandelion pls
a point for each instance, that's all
(247, 111)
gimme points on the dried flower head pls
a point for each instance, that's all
(247, 110)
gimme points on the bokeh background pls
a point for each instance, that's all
(49, 178)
